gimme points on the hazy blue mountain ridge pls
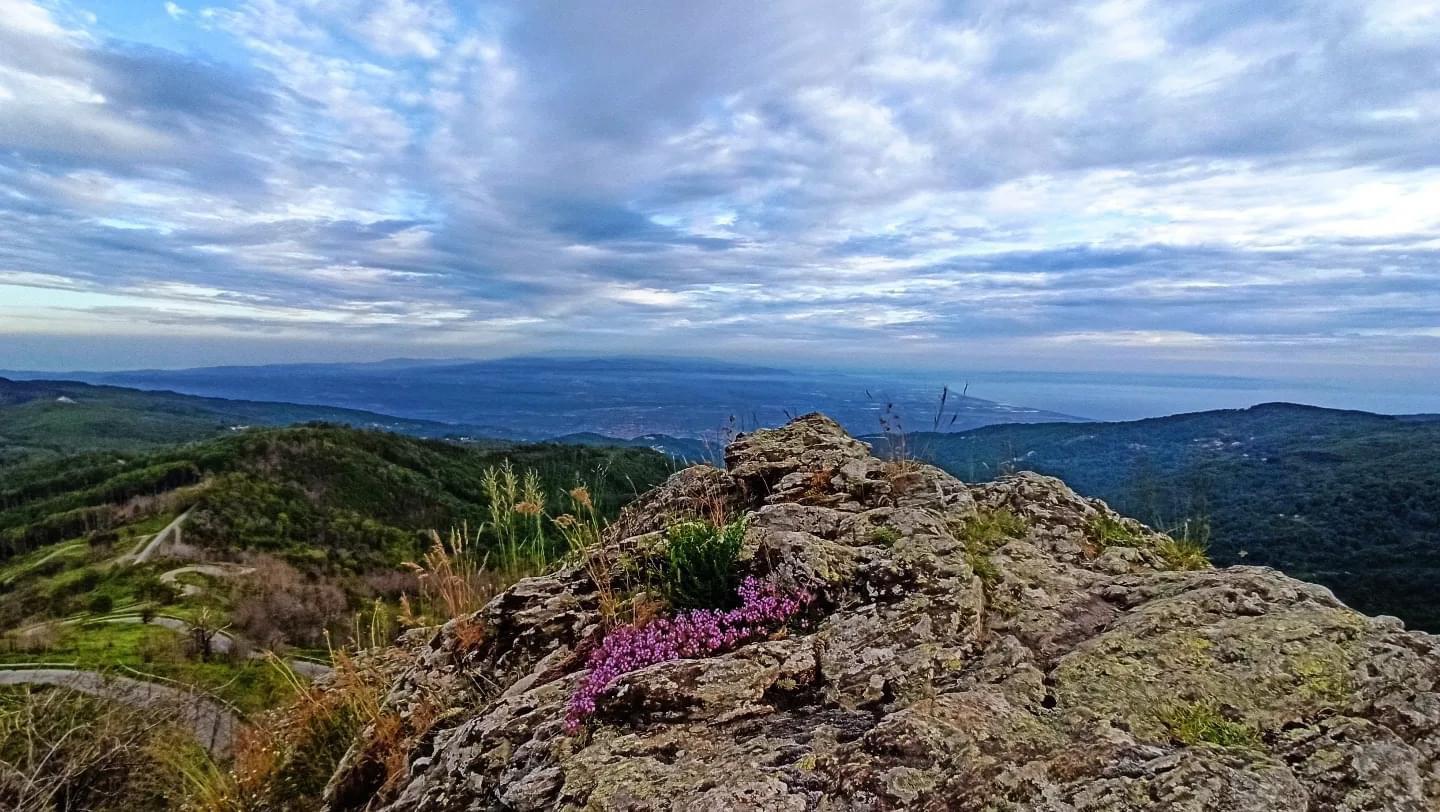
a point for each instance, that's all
(542, 397)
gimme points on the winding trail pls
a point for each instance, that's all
(169, 533)
(212, 721)
(63, 547)
(212, 570)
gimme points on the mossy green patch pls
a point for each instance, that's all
(1176, 648)
(1323, 678)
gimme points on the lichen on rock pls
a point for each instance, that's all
(1042, 669)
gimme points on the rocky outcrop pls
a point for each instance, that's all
(1001, 646)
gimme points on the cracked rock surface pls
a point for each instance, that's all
(1048, 667)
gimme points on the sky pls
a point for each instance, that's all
(1218, 186)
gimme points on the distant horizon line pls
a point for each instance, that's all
(1091, 395)
(804, 366)
(1077, 419)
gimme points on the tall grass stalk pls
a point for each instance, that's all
(584, 532)
(515, 507)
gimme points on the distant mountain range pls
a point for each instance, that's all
(1344, 498)
(536, 398)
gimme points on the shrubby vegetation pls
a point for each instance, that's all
(700, 564)
(321, 495)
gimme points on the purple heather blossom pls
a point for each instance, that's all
(764, 606)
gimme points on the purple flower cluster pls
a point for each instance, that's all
(764, 606)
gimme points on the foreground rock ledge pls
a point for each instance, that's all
(1069, 677)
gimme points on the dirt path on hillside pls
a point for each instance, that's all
(223, 570)
(213, 723)
(170, 532)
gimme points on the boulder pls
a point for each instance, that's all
(1005, 646)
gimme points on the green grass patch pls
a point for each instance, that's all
(1109, 531)
(148, 526)
(990, 529)
(1202, 723)
(1182, 554)
(986, 532)
(884, 536)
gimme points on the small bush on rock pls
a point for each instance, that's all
(764, 607)
(700, 566)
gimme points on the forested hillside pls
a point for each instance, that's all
(336, 494)
(1348, 499)
(48, 419)
(208, 581)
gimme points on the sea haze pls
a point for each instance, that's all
(1133, 396)
(537, 398)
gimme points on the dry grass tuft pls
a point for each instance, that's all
(453, 581)
(584, 532)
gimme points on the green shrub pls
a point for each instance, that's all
(101, 604)
(700, 565)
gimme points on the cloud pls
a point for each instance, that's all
(1194, 184)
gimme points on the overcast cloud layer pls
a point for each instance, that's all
(1213, 185)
